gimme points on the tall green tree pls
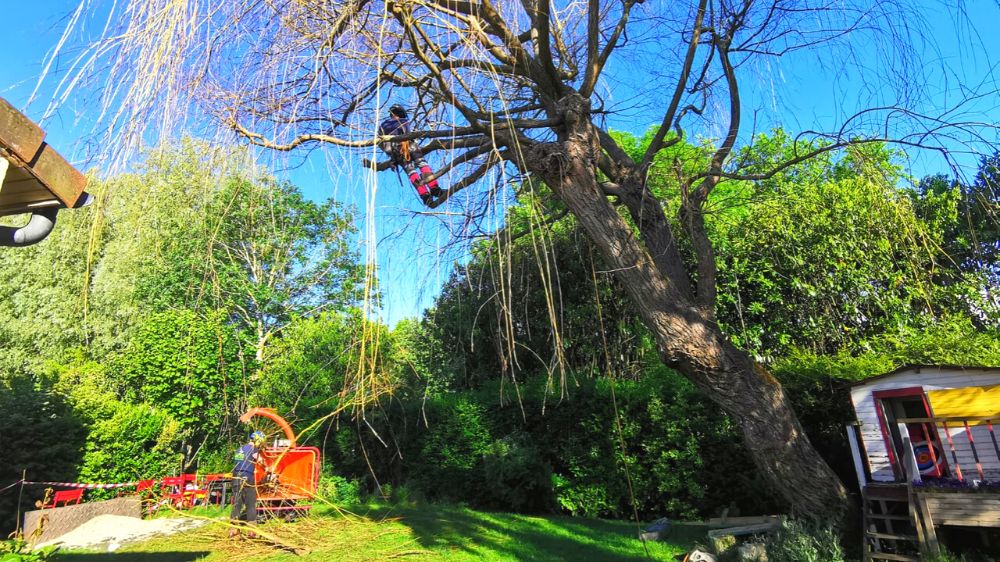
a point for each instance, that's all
(42, 296)
(204, 229)
(188, 365)
(981, 216)
(276, 255)
(968, 216)
(824, 255)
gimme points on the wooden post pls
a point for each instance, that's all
(910, 470)
(865, 509)
(20, 492)
(859, 469)
(928, 522)
(922, 521)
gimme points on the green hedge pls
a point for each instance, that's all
(542, 454)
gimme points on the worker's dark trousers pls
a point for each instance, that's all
(244, 500)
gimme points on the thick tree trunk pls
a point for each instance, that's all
(688, 339)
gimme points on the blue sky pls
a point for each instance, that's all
(407, 249)
(411, 267)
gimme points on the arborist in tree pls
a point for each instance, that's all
(407, 155)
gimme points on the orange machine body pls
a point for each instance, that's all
(288, 473)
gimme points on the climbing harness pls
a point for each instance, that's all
(409, 157)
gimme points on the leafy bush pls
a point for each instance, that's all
(685, 458)
(581, 498)
(41, 435)
(529, 452)
(136, 442)
(449, 464)
(17, 550)
(516, 476)
(801, 542)
(339, 490)
(216, 458)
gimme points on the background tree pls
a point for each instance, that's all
(187, 365)
(123, 348)
(512, 89)
(968, 220)
(981, 216)
(316, 363)
(824, 255)
(40, 305)
(277, 255)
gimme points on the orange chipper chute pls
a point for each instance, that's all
(270, 414)
(288, 474)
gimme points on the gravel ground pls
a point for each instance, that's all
(109, 532)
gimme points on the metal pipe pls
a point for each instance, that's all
(41, 224)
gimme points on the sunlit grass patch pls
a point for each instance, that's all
(425, 532)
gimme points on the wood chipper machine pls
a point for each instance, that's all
(288, 475)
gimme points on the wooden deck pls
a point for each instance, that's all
(900, 519)
(962, 508)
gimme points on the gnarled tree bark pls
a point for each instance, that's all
(687, 337)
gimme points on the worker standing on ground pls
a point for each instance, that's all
(407, 155)
(244, 484)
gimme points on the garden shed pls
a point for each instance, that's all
(947, 411)
(926, 454)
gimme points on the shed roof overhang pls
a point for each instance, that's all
(37, 177)
(968, 369)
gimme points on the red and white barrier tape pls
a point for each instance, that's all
(5, 488)
(84, 486)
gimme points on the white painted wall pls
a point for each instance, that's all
(935, 378)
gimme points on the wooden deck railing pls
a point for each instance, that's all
(985, 454)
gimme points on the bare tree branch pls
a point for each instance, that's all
(594, 67)
(693, 206)
(656, 144)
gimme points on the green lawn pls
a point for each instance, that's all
(427, 532)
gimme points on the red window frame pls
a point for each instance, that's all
(878, 395)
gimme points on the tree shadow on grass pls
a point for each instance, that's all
(521, 537)
(131, 557)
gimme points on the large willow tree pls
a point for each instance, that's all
(511, 92)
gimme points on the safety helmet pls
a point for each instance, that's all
(257, 436)
(398, 111)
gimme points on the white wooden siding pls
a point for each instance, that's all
(929, 379)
